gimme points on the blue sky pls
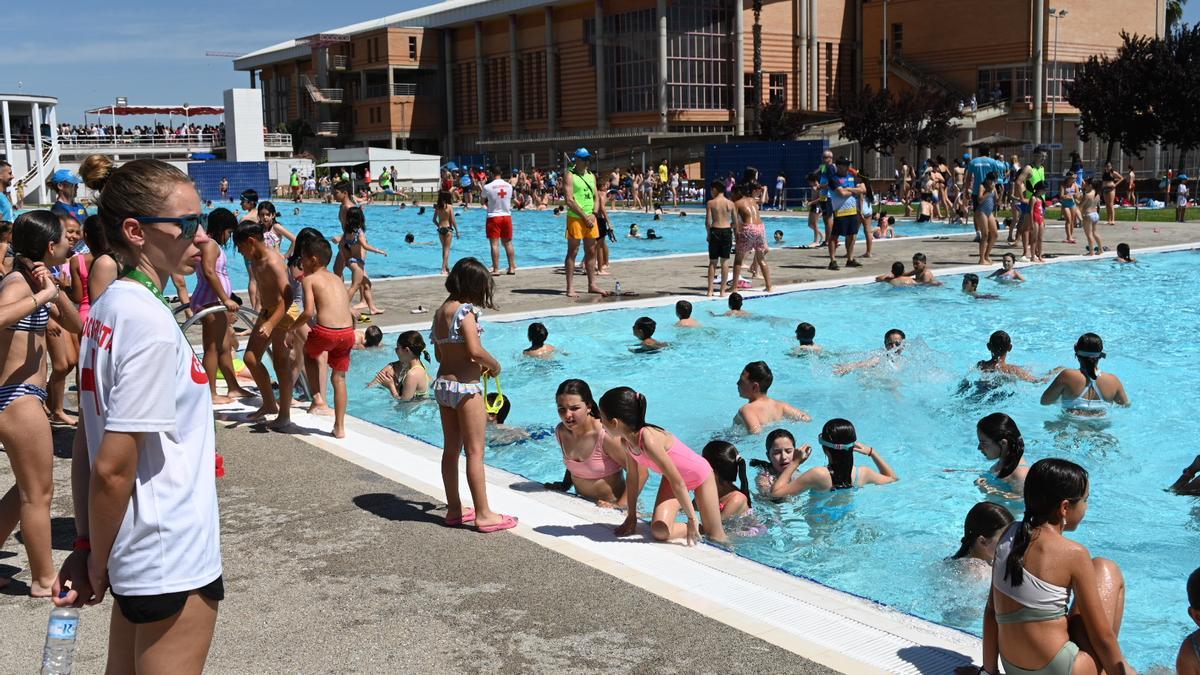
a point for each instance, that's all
(153, 52)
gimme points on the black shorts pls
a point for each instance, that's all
(845, 226)
(151, 608)
(720, 241)
(602, 225)
(819, 207)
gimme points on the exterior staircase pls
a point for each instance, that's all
(319, 95)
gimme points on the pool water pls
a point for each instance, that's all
(538, 236)
(889, 543)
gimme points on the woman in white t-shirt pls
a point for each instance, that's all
(144, 469)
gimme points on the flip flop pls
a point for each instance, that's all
(468, 515)
(506, 523)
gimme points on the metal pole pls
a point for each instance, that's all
(739, 68)
(8, 151)
(1039, 68)
(1054, 101)
(885, 46)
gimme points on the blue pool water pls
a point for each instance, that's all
(538, 236)
(889, 543)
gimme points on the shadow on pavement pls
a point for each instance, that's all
(391, 507)
(933, 659)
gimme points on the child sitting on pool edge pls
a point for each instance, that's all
(537, 335)
(643, 330)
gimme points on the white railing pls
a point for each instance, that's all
(319, 95)
(277, 140)
(398, 89)
(169, 140)
(339, 62)
(47, 163)
(328, 128)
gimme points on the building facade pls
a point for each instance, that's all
(523, 80)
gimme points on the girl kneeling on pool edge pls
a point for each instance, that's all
(623, 412)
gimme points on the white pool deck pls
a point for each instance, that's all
(836, 629)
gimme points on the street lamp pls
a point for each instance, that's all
(1056, 15)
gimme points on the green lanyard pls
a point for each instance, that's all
(134, 274)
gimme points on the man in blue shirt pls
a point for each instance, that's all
(66, 183)
(977, 171)
(6, 177)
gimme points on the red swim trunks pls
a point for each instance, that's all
(337, 341)
(499, 227)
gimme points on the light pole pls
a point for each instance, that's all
(885, 46)
(1056, 15)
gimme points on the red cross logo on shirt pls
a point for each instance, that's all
(501, 192)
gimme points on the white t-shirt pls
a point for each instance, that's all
(169, 540)
(499, 197)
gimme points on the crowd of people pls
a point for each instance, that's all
(138, 132)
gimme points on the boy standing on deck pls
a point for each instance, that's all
(718, 220)
(275, 296)
(333, 333)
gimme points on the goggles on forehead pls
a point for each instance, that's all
(835, 446)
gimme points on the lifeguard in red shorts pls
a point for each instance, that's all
(498, 197)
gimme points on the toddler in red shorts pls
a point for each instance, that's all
(325, 299)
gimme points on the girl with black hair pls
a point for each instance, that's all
(1000, 440)
(623, 412)
(29, 297)
(729, 466)
(446, 224)
(781, 450)
(1000, 344)
(1085, 391)
(840, 441)
(594, 459)
(213, 288)
(981, 532)
(537, 334)
(406, 378)
(352, 249)
(1028, 625)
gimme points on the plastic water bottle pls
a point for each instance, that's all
(59, 653)
(617, 289)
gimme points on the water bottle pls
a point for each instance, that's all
(60, 640)
(617, 290)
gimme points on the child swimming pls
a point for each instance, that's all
(1008, 273)
(643, 330)
(752, 385)
(1000, 441)
(1123, 254)
(984, 524)
(537, 335)
(781, 450)
(406, 378)
(806, 333)
(840, 441)
(594, 460)
(683, 310)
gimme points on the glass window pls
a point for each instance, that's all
(778, 88)
(412, 47)
(699, 56)
(897, 38)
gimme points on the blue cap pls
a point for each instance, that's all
(582, 153)
(66, 176)
(1182, 176)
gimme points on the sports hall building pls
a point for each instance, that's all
(522, 80)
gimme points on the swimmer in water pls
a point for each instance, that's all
(840, 442)
(643, 330)
(728, 466)
(735, 306)
(781, 450)
(1085, 390)
(893, 345)
(897, 276)
(806, 333)
(1000, 344)
(634, 233)
(778, 236)
(683, 310)
(650, 234)
(1189, 482)
(1187, 662)
(1123, 254)
(921, 272)
(970, 286)
(1008, 273)
(537, 334)
(1000, 441)
(499, 433)
(760, 409)
(981, 532)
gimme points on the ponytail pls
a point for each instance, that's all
(983, 520)
(1089, 349)
(1000, 427)
(743, 483)
(838, 437)
(626, 405)
(727, 465)
(1049, 483)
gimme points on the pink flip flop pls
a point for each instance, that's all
(506, 523)
(467, 516)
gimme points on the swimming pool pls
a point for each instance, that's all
(889, 543)
(538, 236)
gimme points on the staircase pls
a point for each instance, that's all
(328, 129)
(35, 190)
(919, 77)
(319, 95)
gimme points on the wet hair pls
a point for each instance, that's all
(919, 257)
(373, 336)
(891, 220)
(355, 220)
(136, 188)
(645, 326)
(247, 229)
(1123, 250)
(1000, 427)
(727, 463)
(735, 301)
(626, 405)
(413, 342)
(470, 282)
(971, 278)
(444, 198)
(999, 343)
(840, 432)
(221, 222)
(409, 238)
(983, 520)
(718, 186)
(759, 373)
(581, 389)
(1049, 483)
(319, 249)
(806, 333)
(1089, 343)
(537, 334)
(1010, 255)
(779, 233)
(775, 435)
(250, 195)
(302, 238)
(505, 406)
(33, 232)
(683, 309)
(894, 331)
(897, 268)
(1193, 590)
(268, 207)
(341, 186)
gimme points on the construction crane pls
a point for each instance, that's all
(232, 55)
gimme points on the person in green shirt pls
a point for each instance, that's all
(294, 182)
(582, 226)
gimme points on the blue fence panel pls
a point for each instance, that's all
(795, 159)
(242, 176)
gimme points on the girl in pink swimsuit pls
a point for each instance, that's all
(623, 412)
(594, 460)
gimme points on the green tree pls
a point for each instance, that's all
(926, 117)
(1177, 64)
(872, 119)
(1174, 10)
(300, 130)
(777, 123)
(1119, 98)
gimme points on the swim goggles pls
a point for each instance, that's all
(835, 446)
(493, 408)
(1090, 355)
(187, 224)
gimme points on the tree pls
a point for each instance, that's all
(1177, 66)
(927, 117)
(1174, 10)
(1118, 98)
(299, 129)
(777, 123)
(872, 119)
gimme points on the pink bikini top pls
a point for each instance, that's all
(598, 464)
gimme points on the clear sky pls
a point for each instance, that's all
(1191, 12)
(152, 52)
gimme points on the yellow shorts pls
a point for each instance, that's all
(580, 229)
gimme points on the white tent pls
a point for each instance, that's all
(420, 172)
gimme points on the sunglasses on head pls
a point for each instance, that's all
(187, 224)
